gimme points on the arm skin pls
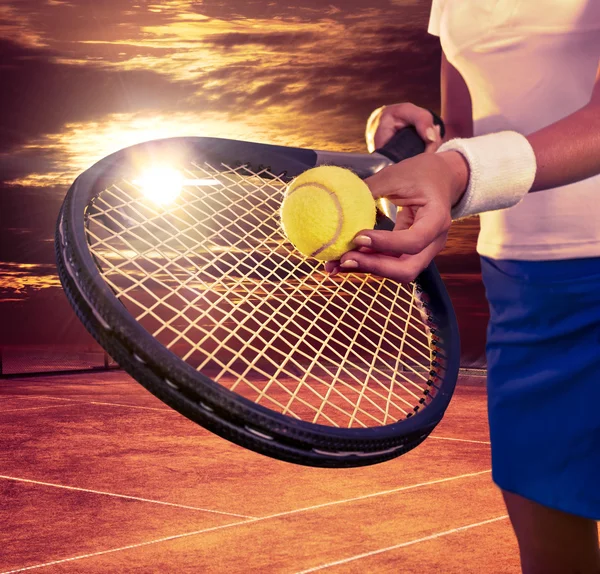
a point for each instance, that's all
(566, 151)
(457, 112)
(456, 102)
(569, 150)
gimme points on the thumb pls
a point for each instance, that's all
(388, 126)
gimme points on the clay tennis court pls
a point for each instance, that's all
(97, 475)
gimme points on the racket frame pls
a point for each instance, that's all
(189, 391)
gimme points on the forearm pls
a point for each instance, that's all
(456, 131)
(568, 150)
(457, 110)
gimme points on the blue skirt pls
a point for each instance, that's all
(543, 354)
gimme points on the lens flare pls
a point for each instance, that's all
(161, 184)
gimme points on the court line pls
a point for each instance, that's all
(162, 410)
(381, 493)
(115, 495)
(128, 547)
(2, 411)
(460, 439)
(403, 544)
(467, 372)
(242, 522)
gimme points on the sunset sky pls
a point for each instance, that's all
(82, 78)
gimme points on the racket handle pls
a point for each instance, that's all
(407, 143)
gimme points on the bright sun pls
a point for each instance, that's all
(161, 184)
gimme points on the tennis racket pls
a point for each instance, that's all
(185, 278)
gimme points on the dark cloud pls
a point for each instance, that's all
(39, 95)
(401, 65)
(25, 161)
(378, 59)
(89, 20)
(44, 95)
(28, 217)
(288, 40)
(308, 9)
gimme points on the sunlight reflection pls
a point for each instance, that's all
(162, 184)
(81, 144)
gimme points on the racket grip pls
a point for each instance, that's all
(407, 143)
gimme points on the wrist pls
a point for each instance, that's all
(459, 169)
(501, 168)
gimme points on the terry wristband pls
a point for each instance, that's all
(502, 168)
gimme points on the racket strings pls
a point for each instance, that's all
(335, 377)
(324, 333)
(295, 395)
(214, 280)
(257, 310)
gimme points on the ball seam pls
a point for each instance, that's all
(338, 207)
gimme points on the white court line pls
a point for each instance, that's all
(129, 547)
(114, 495)
(2, 411)
(466, 372)
(244, 522)
(403, 544)
(381, 493)
(80, 402)
(460, 439)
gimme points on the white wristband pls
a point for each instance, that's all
(502, 168)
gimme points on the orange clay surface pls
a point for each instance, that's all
(96, 475)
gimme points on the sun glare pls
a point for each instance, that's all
(161, 184)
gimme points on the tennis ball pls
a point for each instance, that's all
(323, 209)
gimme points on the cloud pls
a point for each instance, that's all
(306, 10)
(28, 222)
(267, 39)
(178, 63)
(44, 95)
(18, 281)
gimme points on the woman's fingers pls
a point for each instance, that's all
(431, 146)
(423, 187)
(385, 121)
(388, 126)
(403, 269)
(430, 221)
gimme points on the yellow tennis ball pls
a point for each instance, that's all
(323, 209)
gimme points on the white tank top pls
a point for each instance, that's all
(528, 64)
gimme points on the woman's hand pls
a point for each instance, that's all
(424, 188)
(385, 121)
